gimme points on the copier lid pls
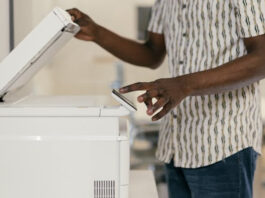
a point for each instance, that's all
(35, 50)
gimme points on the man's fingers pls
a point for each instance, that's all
(135, 87)
(82, 36)
(148, 95)
(159, 104)
(148, 103)
(81, 22)
(166, 109)
(75, 13)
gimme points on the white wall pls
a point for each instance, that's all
(23, 18)
(83, 68)
(4, 24)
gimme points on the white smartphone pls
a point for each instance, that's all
(124, 101)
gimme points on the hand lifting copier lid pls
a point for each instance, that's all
(50, 150)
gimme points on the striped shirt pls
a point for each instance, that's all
(201, 35)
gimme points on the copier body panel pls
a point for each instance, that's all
(63, 152)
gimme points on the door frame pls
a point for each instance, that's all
(11, 25)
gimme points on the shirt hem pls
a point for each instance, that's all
(179, 164)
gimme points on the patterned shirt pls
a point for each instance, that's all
(201, 35)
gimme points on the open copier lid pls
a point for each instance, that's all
(53, 32)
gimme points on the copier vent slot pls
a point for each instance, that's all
(104, 189)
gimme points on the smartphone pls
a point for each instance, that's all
(124, 101)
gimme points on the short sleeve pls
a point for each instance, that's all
(156, 23)
(250, 17)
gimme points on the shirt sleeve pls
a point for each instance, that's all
(250, 17)
(156, 23)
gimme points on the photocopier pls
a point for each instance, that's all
(57, 147)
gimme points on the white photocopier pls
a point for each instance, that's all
(57, 147)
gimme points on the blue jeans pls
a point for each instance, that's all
(229, 178)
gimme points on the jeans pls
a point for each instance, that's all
(229, 178)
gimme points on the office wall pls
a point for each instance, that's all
(4, 24)
(82, 67)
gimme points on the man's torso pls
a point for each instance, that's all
(201, 35)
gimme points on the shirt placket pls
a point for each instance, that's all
(182, 62)
(184, 34)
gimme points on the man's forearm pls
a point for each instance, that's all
(169, 92)
(149, 54)
(141, 54)
(233, 75)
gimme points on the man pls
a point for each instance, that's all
(211, 130)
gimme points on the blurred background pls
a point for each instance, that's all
(83, 68)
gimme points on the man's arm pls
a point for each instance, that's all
(149, 54)
(233, 75)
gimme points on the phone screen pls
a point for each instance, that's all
(123, 99)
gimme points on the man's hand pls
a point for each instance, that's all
(168, 93)
(89, 28)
